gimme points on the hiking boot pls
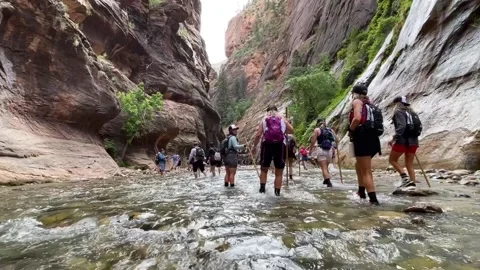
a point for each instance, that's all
(374, 203)
(262, 188)
(277, 192)
(226, 184)
(329, 183)
(291, 177)
(362, 196)
(407, 183)
(232, 185)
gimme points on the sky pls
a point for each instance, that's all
(215, 17)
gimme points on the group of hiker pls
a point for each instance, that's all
(161, 159)
(275, 135)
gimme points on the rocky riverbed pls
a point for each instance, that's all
(137, 221)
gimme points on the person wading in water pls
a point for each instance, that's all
(325, 138)
(196, 158)
(405, 141)
(272, 129)
(292, 145)
(230, 148)
(214, 158)
(365, 141)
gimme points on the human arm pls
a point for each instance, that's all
(288, 127)
(258, 136)
(400, 121)
(192, 154)
(313, 139)
(233, 144)
(357, 115)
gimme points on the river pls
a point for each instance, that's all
(180, 223)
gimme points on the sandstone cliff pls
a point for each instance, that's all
(430, 56)
(61, 63)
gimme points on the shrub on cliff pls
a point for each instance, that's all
(311, 93)
(139, 108)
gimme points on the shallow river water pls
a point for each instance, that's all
(182, 223)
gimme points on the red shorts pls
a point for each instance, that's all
(400, 148)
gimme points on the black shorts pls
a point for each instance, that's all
(216, 163)
(275, 152)
(198, 165)
(366, 144)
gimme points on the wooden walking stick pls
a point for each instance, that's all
(288, 162)
(340, 165)
(253, 161)
(299, 161)
(423, 172)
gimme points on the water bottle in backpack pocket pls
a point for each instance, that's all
(414, 125)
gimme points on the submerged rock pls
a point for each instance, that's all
(462, 196)
(418, 221)
(423, 209)
(414, 192)
(468, 182)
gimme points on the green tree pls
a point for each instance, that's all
(139, 108)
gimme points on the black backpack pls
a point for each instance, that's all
(326, 139)
(373, 119)
(414, 125)
(224, 145)
(199, 153)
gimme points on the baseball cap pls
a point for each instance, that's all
(402, 99)
(232, 127)
(360, 89)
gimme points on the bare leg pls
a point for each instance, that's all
(231, 177)
(393, 159)
(409, 157)
(278, 178)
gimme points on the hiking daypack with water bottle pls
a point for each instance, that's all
(273, 130)
(199, 153)
(326, 139)
(414, 125)
(372, 119)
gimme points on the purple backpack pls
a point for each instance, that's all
(273, 132)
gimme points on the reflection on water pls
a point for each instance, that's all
(182, 223)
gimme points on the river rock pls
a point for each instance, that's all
(418, 221)
(467, 182)
(423, 209)
(477, 173)
(462, 196)
(461, 172)
(414, 192)
(430, 171)
(442, 171)
(456, 178)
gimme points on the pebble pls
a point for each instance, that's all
(442, 171)
(431, 171)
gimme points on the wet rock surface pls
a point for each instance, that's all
(148, 222)
(429, 209)
(414, 192)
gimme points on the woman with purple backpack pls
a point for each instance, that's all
(272, 131)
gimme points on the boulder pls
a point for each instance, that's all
(430, 209)
(468, 182)
(414, 192)
(418, 221)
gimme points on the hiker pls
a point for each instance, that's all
(325, 138)
(272, 129)
(303, 156)
(405, 140)
(214, 158)
(230, 148)
(292, 145)
(364, 141)
(196, 158)
(161, 161)
(176, 161)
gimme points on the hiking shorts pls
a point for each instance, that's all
(216, 163)
(322, 154)
(198, 165)
(304, 158)
(162, 166)
(275, 152)
(400, 148)
(365, 144)
(231, 160)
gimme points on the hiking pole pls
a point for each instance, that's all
(286, 146)
(299, 161)
(421, 168)
(253, 161)
(340, 166)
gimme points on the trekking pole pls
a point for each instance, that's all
(288, 163)
(253, 161)
(421, 168)
(340, 165)
(299, 161)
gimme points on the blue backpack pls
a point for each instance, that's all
(326, 139)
